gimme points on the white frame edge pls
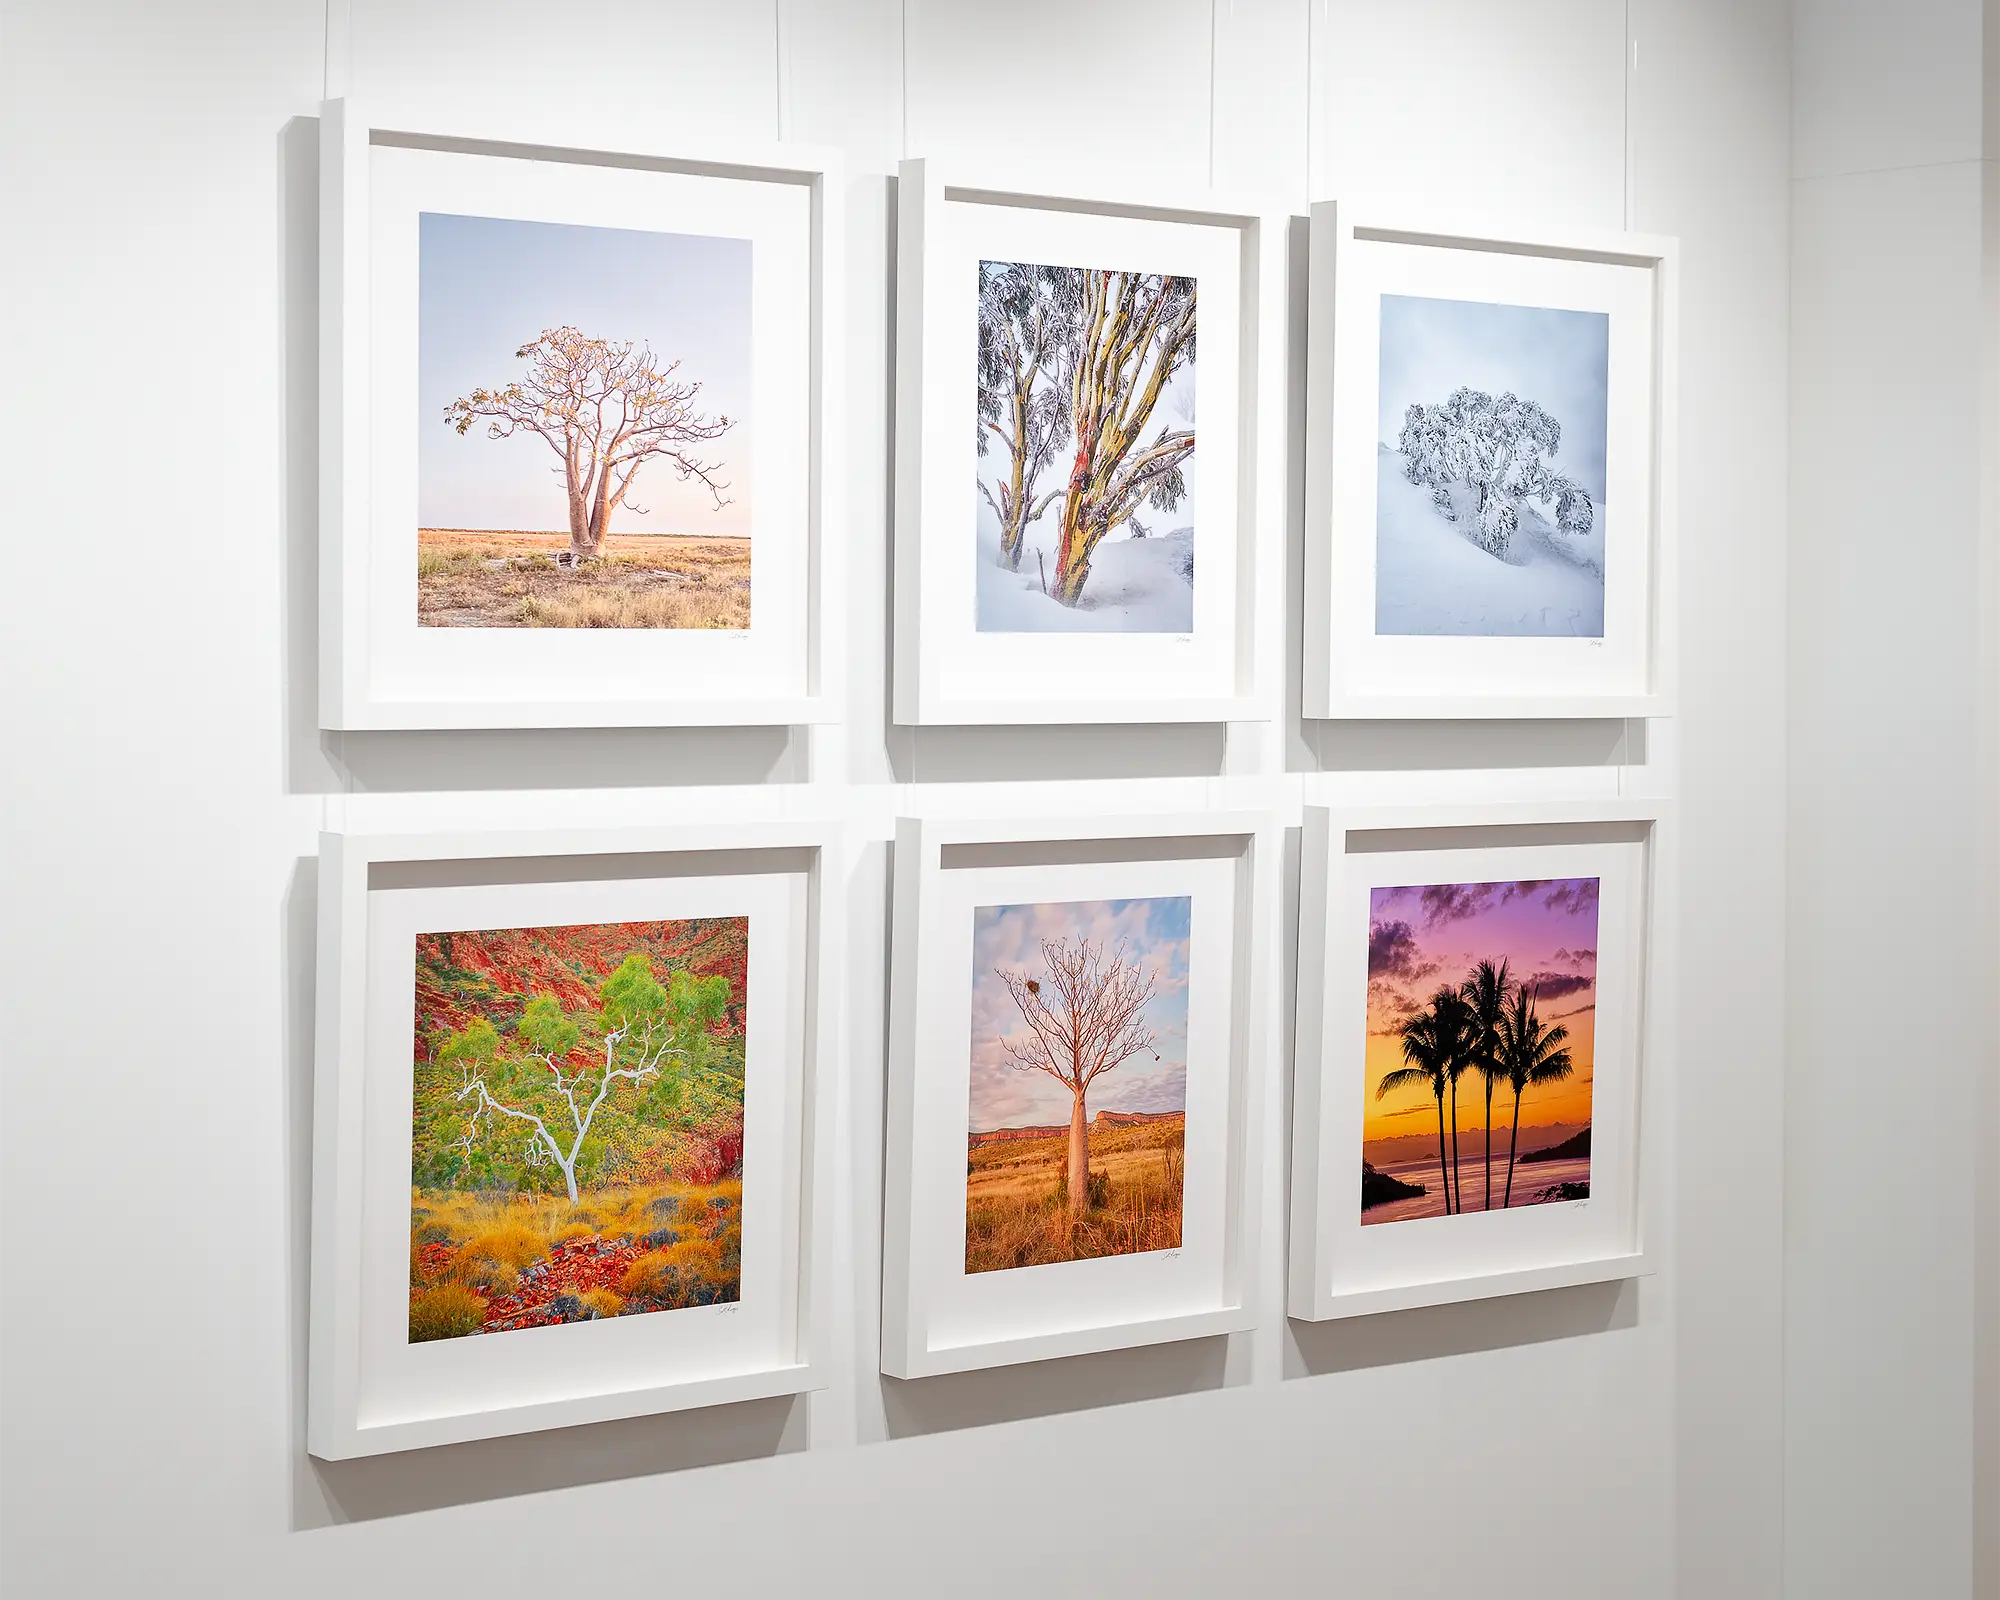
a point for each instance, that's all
(333, 1346)
(920, 843)
(921, 190)
(1309, 1260)
(346, 701)
(1333, 224)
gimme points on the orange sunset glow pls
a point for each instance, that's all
(1540, 937)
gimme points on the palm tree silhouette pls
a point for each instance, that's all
(1434, 1056)
(1431, 1045)
(1485, 992)
(1529, 1053)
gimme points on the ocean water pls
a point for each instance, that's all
(1531, 1180)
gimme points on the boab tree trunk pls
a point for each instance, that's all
(1078, 1174)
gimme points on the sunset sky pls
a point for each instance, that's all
(1155, 933)
(489, 285)
(1421, 937)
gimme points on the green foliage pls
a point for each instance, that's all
(646, 1063)
(472, 1048)
(545, 1029)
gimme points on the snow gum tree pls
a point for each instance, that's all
(1502, 450)
(552, 1078)
(605, 408)
(1083, 1020)
(1027, 320)
(1134, 331)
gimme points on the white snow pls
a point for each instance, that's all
(1430, 578)
(1135, 586)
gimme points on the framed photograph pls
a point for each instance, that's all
(571, 1124)
(1074, 1075)
(1090, 470)
(1475, 1052)
(578, 429)
(1490, 460)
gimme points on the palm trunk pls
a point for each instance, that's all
(1513, 1139)
(1079, 1156)
(1457, 1184)
(1489, 1144)
(1444, 1176)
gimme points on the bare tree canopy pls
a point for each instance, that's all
(605, 408)
(1083, 1019)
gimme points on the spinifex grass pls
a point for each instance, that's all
(483, 1262)
(1017, 1214)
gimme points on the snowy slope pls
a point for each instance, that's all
(1431, 579)
(1136, 586)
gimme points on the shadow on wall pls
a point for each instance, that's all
(944, 1404)
(1430, 1332)
(332, 1492)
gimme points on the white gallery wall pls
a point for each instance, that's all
(166, 782)
(1892, 1126)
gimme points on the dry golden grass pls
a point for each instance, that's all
(650, 1274)
(470, 1249)
(446, 1312)
(512, 1245)
(472, 579)
(1016, 1215)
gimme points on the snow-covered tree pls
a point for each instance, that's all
(1502, 449)
(1135, 331)
(1027, 320)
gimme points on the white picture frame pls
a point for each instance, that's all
(371, 1390)
(380, 169)
(1225, 668)
(936, 1316)
(1627, 669)
(1340, 1267)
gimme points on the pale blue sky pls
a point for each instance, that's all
(488, 285)
(1558, 359)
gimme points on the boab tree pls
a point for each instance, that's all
(1134, 332)
(605, 408)
(1083, 1020)
(536, 1079)
(1501, 449)
(1027, 320)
